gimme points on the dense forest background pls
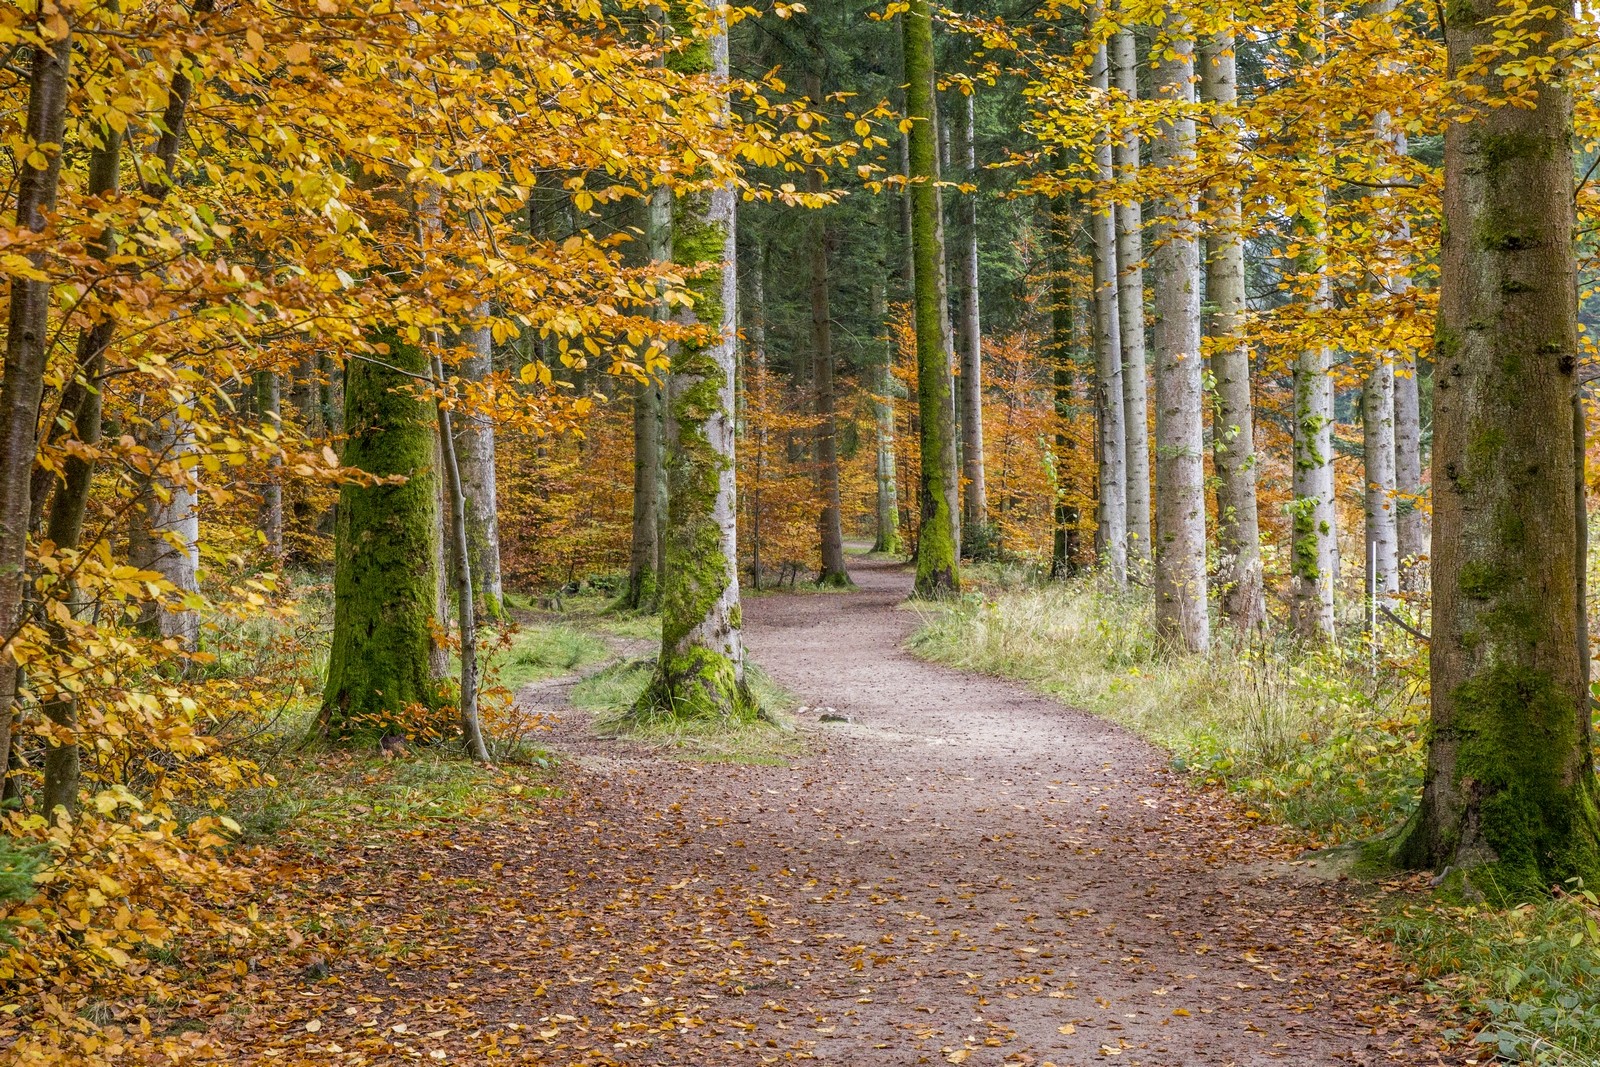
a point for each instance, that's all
(1223, 370)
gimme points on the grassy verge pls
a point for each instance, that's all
(547, 650)
(1532, 971)
(610, 693)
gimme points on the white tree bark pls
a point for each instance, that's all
(1242, 593)
(1182, 621)
(1109, 412)
(1382, 563)
(164, 533)
(475, 451)
(1130, 300)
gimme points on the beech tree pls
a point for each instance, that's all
(1124, 59)
(701, 670)
(1109, 393)
(1509, 800)
(1241, 583)
(938, 539)
(1181, 612)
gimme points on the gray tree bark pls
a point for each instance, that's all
(1182, 621)
(1241, 584)
(475, 454)
(1124, 56)
(1510, 782)
(1109, 410)
(975, 497)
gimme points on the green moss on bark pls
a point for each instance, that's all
(384, 575)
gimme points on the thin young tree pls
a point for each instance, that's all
(1241, 586)
(1124, 57)
(1182, 621)
(475, 454)
(830, 529)
(888, 493)
(1509, 796)
(974, 492)
(1109, 392)
(938, 537)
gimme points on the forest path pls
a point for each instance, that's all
(966, 873)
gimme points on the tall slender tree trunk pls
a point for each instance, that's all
(701, 671)
(938, 536)
(645, 554)
(1066, 546)
(829, 528)
(1109, 404)
(1314, 537)
(475, 456)
(65, 528)
(269, 409)
(888, 538)
(1412, 510)
(1130, 299)
(1241, 585)
(1182, 621)
(1510, 782)
(974, 495)
(1382, 563)
(755, 311)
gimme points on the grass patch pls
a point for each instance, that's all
(611, 693)
(536, 652)
(325, 797)
(1305, 736)
(1533, 970)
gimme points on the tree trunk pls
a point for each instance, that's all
(269, 409)
(1412, 504)
(645, 556)
(974, 498)
(701, 672)
(888, 539)
(475, 456)
(385, 560)
(1381, 565)
(1182, 621)
(461, 542)
(1130, 301)
(1510, 781)
(1064, 551)
(938, 535)
(1109, 409)
(756, 312)
(829, 530)
(1243, 596)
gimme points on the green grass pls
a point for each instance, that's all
(610, 694)
(1533, 971)
(1308, 738)
(546, 650)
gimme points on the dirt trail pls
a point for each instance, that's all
(967, 873)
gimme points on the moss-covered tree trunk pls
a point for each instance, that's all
(1182, 619)
(700, 673)
(1124, 57)
(830, 532)
(385, 575)
(938, 540)
(645, 555)
(1110, 413)
(1314, 516)
(1242, 594)
(1509, 796)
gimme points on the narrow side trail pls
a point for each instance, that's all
(965, 873)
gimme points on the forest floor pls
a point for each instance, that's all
(965, 872)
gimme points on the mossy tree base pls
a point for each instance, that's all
(697, 686)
